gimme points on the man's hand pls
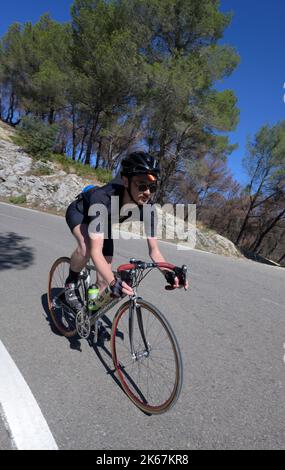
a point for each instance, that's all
(176, 279)
(126, 289)
(176, 284)
(120, 288)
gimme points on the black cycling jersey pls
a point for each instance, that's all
(100, 208)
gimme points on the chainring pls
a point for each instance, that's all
(83, 325)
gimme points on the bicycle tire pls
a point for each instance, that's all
(60, 314)
(142, 398)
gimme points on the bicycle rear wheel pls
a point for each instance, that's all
(62, 316)
(150, 372)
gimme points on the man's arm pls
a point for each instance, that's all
(100, 263)
(154, 251)
(157, 257)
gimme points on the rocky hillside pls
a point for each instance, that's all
(38, 184)
(45, 186)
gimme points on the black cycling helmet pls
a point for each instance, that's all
(140, 163)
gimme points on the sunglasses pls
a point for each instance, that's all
(144, 187)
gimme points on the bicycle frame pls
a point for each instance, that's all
(136, 269)
(95, 317)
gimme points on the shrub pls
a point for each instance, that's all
(101, 174)
(18, 199)
(40, 171)
(37, 137)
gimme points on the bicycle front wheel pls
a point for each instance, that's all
(147, 357)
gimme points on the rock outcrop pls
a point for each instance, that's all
(54, 189)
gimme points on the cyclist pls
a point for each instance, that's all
(139, 177)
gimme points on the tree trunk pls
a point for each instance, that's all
(1, 105)
(252, 206)
(89, 147)
(83, 140)
(243, 227)
(98, 157)
(261, 236)
(91, 139)
(51, 116)
(73, 133)
(167, 172)
(11, 110)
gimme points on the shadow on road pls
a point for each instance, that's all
(100, 349)
(104, 355)
(14, 252)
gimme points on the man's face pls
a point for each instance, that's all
(142, 188)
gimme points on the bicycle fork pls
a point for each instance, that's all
(135, 311)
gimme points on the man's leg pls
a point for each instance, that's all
(79, 259)
(108, 251)
(81, 255)
(100, 282)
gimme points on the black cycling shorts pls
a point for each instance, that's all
(75, 217)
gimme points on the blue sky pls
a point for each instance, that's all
(30, 10)
(257, 33)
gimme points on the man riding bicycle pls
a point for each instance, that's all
(139, 178)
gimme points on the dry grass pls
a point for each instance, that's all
(6, 132)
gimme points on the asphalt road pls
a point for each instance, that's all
(230, 326)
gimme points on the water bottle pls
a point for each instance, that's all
(93, 293)
(103, 298)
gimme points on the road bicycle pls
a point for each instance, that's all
(145, 351)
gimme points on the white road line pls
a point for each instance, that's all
(20, 412)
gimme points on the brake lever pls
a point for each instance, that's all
(181, 273)
(184, 275)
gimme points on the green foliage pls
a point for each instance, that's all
(220, 109)
(18, 199)
(105, 53)
(41, 169)
(37, 138)
(103, 175)
(265, 159)
(35, 64)
(70, 166)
